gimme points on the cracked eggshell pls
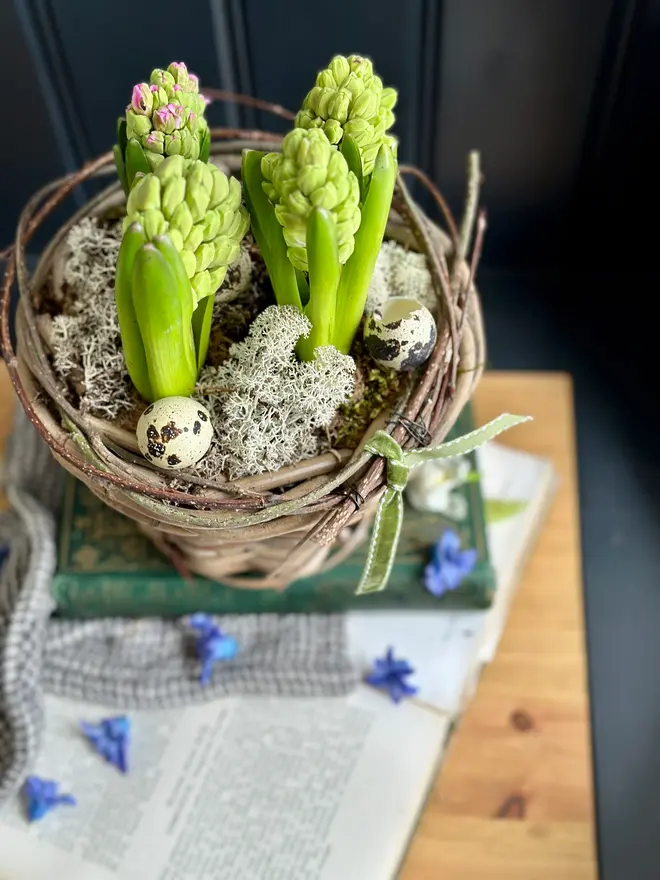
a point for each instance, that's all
(401, 335)
(174, 432)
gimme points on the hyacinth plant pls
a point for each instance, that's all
(183, 227)
(165, 118)
(319, 208)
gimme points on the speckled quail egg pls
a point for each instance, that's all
(401, 335)
(174, 432)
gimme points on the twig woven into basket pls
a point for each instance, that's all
(268, 530)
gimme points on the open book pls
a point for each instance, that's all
(281, 789)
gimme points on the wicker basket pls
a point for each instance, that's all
(267, 530)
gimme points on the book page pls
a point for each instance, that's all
(508, 474)
(279, 789)
(265, 789)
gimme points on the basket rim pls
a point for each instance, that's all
(431, 397)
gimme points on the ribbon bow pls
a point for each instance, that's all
(389, 516)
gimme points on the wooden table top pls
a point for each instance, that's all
(514, 798)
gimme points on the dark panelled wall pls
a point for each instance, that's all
(517, 78)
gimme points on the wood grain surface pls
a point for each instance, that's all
(514, 799)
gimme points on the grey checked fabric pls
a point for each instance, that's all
(127, 664)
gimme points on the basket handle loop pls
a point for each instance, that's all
(389, 516)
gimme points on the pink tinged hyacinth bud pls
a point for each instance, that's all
(154, 142)
(168, 118)
(176, 88)
(193, 78)
(142, 99)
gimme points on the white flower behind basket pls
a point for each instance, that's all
(432, 487)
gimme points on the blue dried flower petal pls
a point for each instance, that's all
(42, 796)
(389, 674)
(110, 738)
(448, 565)
(212, 644)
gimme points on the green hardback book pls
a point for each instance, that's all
(107, 567)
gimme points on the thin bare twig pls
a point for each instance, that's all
(438, 198)
(248, 101)
(472, 274)
(467, 221)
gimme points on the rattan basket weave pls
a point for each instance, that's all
(267, 530)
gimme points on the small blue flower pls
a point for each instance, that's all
(448, 565)
(42, 796)
(389, 675)
(111, 738)
(212, 644)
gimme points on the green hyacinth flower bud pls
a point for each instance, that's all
(339, 68)
(179, 72)
(137, 125)
(311, 173)
(169, 105)
(154, 142)
(174, 143)
(161, 78)
(349, 98)
(199, 208)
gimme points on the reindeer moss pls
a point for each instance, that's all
(375, 390)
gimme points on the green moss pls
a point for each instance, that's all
(375, 390)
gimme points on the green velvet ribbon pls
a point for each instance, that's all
(389, 517)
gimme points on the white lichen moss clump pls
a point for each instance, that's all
(85, 342)
(267, 407)
(401, 272)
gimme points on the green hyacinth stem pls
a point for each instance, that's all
(357, 272)
(166, 331)
(351, 153)
(131, 339)
(268, 232)
(201, 326)
(324, 272)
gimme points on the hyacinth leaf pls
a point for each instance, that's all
(122, 139)
(135, 161)
(131, 339)
(351, 153)
(201, 326)
(357, 272)
(119, 165)
(268, 232)
(119, 151)
(324, 272)
(205, 145)
(166, 335)
(186, 294)
(166, 247)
